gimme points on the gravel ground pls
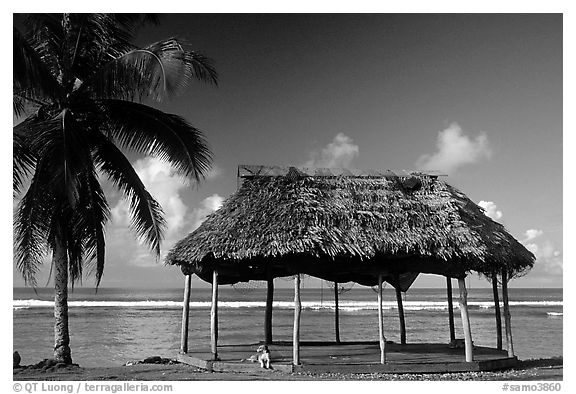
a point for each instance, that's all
(540, 370)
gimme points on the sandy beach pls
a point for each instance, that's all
(535, 370)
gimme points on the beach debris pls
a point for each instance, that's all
(152, 360)
(16, 359)
(46, 365)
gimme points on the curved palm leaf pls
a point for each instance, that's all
(96, 216)
(146, 214)
(61, 142)
(32, 79)
(86, 228)
(159, 70)
(46, 36)
(23, 158)
(95, 39)
(150, 131)
(32, 225)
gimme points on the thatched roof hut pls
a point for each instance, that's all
(341, 226)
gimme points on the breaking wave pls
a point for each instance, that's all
(345, 306)
(555, 314)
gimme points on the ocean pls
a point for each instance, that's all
(119, 325)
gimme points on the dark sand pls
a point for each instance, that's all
(539, 370)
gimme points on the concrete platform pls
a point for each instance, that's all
(353, 357)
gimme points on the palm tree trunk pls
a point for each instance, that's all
(62, 351)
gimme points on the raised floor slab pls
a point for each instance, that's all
(353, 357)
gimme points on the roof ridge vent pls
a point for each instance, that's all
(294, 174)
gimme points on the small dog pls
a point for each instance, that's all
(262, 356)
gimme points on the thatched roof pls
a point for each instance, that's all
(348, 228)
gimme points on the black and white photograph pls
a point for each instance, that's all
(286, 196)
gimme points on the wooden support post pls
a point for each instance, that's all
(401, 316)
(507, 322)
(336, 313)
(497, 311)
(185, 315)
(450, 309)
(465, 319)
(268, 314)
(214, 316)
(381, 336)
(296, 334)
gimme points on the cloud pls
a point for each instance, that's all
(207, 206)
(532, 234)
(491, 210)
(166, 187)
(337, 154)
(454, 150)
(214, 172)
(548, 259)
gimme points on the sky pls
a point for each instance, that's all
(477, 97)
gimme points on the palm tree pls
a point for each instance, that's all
(79, 85)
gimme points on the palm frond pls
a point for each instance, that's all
(131, 22)
(86, 231)
(95, 39)
(202, 67)
(72, 69)
(32, 224)
(93, 215)
(31, 75)
(166, 136)
(23, 158)
(75, 45)
(75, 235)
(45, 34)
(61, 144)
(18, 106)
(162, 69)
(147, 218)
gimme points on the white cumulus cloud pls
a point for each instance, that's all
(532, 234)
(337, 154)
(548, 259)
(491, 210)
(207, 206)
(455, 149)
(166, 187)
